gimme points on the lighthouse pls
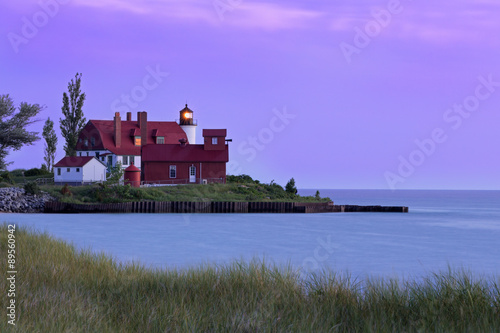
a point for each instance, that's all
(187, 123)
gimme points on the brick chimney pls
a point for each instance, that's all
(129, 116)
(142, 118)
(118, 130)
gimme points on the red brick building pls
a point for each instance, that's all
(187, 163)
(165, 151)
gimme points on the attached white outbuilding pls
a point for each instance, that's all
(79, 169)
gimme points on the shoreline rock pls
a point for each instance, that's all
(14, 200)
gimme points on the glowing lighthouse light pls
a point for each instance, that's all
(188, 124)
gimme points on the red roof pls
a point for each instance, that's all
(132, 168)
(215, 132)
(73, 161)
(178, 153)
(103, 132)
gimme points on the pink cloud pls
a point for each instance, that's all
(443, 23)
(242, 14)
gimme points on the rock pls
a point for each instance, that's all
(14, 200)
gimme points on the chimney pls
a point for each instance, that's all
(139, 119)
(118, 130)
(143, 125)
(129, 116)
(183, 142)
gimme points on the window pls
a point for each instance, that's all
(77, 169)
(86, 142)
(131, 159)
(125, 160)
(97, 154)
(92, 141)
(87, 153)
(173, 171)
(68, 169)
(80, 153)
(137, 141)
(214, 141)
(58, 171)
(160, 140)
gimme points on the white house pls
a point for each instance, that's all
(79, 169)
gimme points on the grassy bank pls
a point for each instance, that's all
(210, 192)
(60, 289)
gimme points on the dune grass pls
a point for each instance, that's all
(60, 289)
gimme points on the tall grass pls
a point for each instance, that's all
(192, 192)
(60, 289)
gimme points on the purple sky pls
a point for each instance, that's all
(337, 94)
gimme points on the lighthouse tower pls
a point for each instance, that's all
(188, 124)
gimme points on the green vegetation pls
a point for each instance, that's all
(74, 121)
(60, 289)
(50, 137)
(13, 123)
(115, 174)
(31, 188)
(212, 192)
(6, 179)
(238, 188)
(22, 176)
(290, 187)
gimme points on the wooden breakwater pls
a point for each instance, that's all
(215, 207)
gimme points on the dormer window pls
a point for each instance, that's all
(137, 140)
(160, 140)
(214, 141)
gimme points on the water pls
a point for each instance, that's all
(444, 228)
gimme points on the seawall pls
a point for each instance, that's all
(216, 207)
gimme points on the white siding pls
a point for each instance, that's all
(94, 171)
(68, 176)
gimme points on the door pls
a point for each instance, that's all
(192, 174)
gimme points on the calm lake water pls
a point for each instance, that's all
(444, 228)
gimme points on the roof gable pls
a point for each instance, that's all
(103, 133)
(73, 161)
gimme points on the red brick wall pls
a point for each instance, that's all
(160, 171)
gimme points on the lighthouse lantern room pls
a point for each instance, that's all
(188, 124)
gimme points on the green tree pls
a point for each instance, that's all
(317, 195)
(73, 121)
(290, 187)
(13, 133)
(50, 144)
(116, 174)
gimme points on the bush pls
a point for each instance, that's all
(66, 191)
(35, 172)
(17, 172)
(6, 177)
(290, 187)
(31, 188)
(241, 179)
